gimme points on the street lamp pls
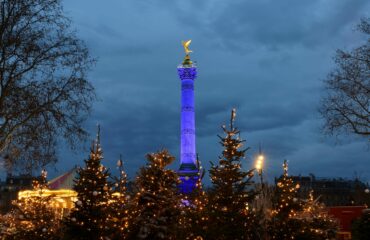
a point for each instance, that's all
(259, 166)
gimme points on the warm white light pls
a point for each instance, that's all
(259, 162)
(61, 198)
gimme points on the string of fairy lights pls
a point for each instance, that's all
(155, 208)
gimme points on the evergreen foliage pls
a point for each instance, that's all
(286, 204)
(318, 224)
(33, 217)
(232, 209)
(230, 213)
(296, 218)
(88, 220)
(156, 204)
(119, 206)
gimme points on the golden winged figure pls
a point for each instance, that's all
(186, 46)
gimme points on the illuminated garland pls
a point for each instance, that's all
(90, 217)
(119, 212)
(296, 218)
(33, 217)
(230, 214)
(156, 204)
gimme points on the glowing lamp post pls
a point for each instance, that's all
(259, 166)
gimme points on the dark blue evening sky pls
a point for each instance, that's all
(266, 58)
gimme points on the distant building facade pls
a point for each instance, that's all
(334, 191)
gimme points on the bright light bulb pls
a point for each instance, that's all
(259, 162)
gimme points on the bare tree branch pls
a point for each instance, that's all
(44, 92)
(346, 106)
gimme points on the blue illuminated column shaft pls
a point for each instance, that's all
(188, 164)
(188, 153)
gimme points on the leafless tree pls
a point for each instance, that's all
(44, 93)
(346, 106)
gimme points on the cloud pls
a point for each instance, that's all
(266, 58)
(249, 25)
(328, 160)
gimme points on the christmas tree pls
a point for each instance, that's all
(89, 219)
(318, 224)
(119, 211)
(230, 213)
(194, 217)
(33, 216)
(284, 223)
(287, 204)
(156, 202)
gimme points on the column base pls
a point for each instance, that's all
(189, 176)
